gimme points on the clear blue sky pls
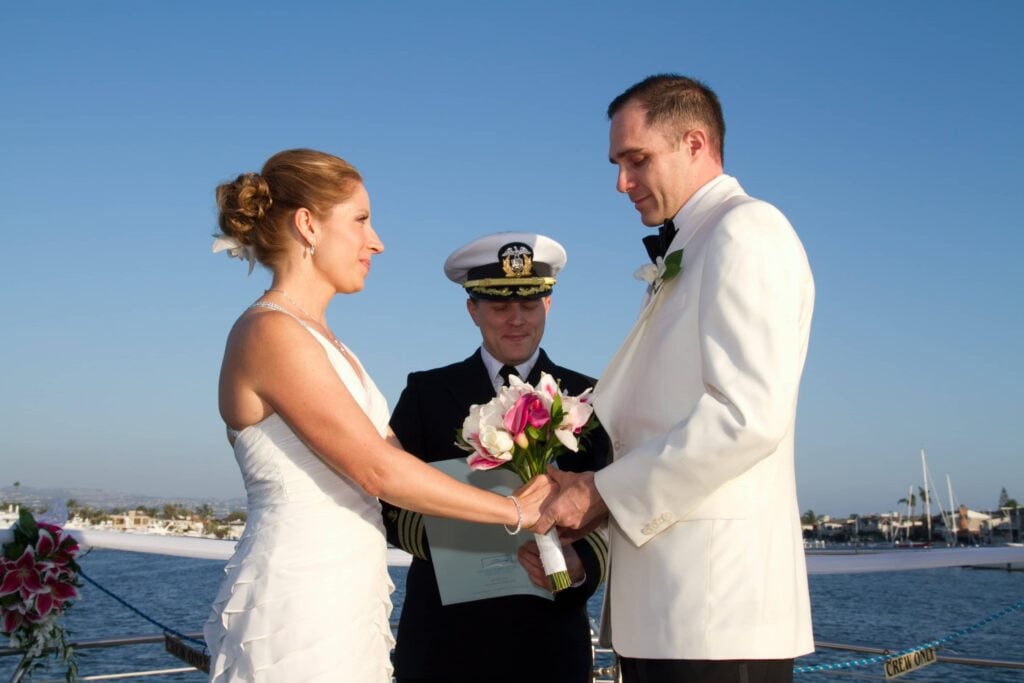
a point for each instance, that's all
(889, 133)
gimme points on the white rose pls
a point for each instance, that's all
(647, 272)
(498, 442)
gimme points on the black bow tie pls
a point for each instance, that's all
(657, 245)
(506, 371)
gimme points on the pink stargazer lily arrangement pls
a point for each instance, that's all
(523, 429)
(38, 581)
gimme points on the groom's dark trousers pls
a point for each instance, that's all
(706, 670)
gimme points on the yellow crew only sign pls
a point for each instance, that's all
(897, 666)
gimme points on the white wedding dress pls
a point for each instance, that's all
(306, 594)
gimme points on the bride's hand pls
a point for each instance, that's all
(533, 495)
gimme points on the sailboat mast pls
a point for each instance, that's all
(949, 485)
(927, 498)
(954, 514)
(910, 511)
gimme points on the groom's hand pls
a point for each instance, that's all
(532, 496)
(529, 557)
(578, 504)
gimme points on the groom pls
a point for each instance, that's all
(509, 278)
(708, 580)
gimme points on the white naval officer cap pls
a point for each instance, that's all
(507, 266)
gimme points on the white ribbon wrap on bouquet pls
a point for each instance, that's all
(551, 555)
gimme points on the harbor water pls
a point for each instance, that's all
(891, 610)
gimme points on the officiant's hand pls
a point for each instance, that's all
(578, 504)
(529, 557)
(533, 495)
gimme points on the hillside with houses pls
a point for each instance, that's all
(117, 512)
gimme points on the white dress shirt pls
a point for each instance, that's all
(494, 367)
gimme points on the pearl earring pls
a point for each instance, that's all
(311, 249)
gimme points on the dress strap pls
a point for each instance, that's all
(349, 357)
(279, 309)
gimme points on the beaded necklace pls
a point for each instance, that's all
(330, 335)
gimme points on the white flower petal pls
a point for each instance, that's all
(647, 273)
(568, 439)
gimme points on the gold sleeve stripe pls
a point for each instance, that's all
(403, 531)
(420, 535)
(410, 533)
(599, 543)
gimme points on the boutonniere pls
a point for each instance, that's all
(661, 271)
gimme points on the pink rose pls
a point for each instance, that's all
(528, 410)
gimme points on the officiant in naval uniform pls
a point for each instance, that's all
(509, 278)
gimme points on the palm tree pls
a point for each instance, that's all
(911, 503)
(923, 493)
(237, 516)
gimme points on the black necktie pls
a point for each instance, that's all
(507, 370)
(657, 245)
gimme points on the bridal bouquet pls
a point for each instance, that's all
(38, 580)
(523, 429)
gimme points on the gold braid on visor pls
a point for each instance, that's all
(508, 281)
(504, 286)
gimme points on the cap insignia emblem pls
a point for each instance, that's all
(516, 260)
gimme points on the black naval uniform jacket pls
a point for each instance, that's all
(511, 638)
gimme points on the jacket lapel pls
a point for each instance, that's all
(470, 384)
(691, 219)
(694, 218)
(543, 364)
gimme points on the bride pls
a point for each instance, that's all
(306, 595)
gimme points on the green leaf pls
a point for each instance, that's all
(673, 265)
(27, 525)
(13, 550)
(513, 466)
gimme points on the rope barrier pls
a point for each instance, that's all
(910, 650)
(162, 627)
(851, 664)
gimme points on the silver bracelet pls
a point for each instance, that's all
(519, 514)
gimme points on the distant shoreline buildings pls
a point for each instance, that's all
(175, 521)
(964, 528)
(225, 519)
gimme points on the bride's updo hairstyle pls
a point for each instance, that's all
(257, 208)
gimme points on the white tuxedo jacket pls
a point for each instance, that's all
(700, 402)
